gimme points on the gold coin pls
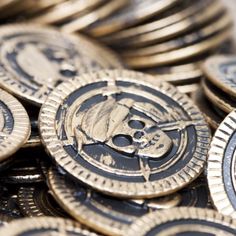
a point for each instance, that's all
(14, 125)
(180, 54)
(183, 221)
(220, 71)
(221, 167)
(135, 131)
(44, 226)
(78, 23)
(35, 59)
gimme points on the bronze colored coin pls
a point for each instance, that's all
(65, 10)
(205, 106)
(178, 15)
(180, 54)
(44, 226)
(221, 167)
(78, 23)
(183, 221)
(14, 125)
(37, 201)
(135, 131)
(218, 97)
(183, 41)
(220, 70)
(135, 12)
(205, 16)
(35, 59)
(114, 216)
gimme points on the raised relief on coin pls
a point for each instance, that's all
(36, 59)
(44, 226)
(124, 136)
(221, 71)
(221, 167)
(14, 125)
(111, 215)
(183, 221)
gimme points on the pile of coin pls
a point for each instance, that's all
(88, 147)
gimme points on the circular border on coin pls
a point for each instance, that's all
(143, 187)
(220, 166)
(21, 126)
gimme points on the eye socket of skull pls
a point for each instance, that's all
(136, 124)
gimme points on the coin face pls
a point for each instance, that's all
(118, 133)
(114, 216)
(14, 125)
(221, 167)
(44, 226)
(35, 59)
(183, 221)
(221, 71)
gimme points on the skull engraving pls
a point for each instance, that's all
(127, 126)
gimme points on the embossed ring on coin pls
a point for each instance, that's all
(14, 125)
(119, 133)
(34, 59)
(222, 166)
(183, 221)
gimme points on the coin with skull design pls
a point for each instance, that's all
(14, 125)
(221, 71)
(34, 59)
(120, 133)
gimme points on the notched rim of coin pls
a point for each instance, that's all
(220, 169)
(213, 68)
(96, 57)
(20, 129)
(29, 225)
(165, 221)
(113, 185)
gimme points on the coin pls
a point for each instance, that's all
(135, 12)
(127, 154)
(218, 97)
(220, 70)
(113, 216)
(205, 106)
(59, 57)
(185, 221)
(37, 201)
(221, 167)
(44, 226)
(14, 125)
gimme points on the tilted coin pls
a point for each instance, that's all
(183, 221)
(113, 216)
(205, 106)
(221, 167)
(44, 226)
(37, 201)
(14, 125)
(34, 59)
(220, 99)
(133, 13)
(118, 132)
(221, 71)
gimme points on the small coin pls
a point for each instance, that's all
(135, 12)
(220, 99)
(113, 216)
(221, 71)
(44, 226)
(37, 201)
(221, 167)
(212, 117)
(135, 131)
(35, 59)
(183, 221)
(14, 125)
